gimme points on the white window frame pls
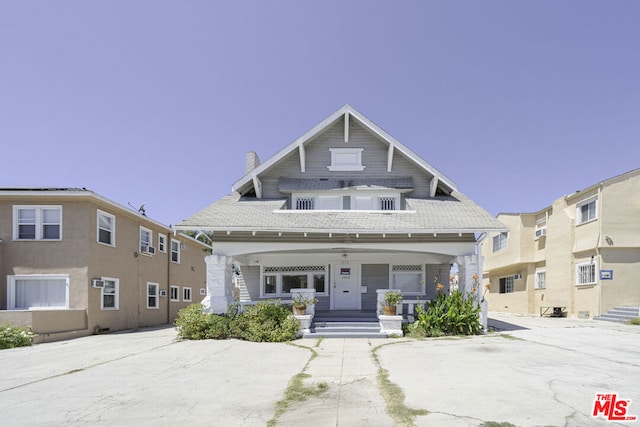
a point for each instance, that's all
(541, 284)
(162, 242)
(112, 231)
(407, 272)
(579, 274)
(116, 293)
(174, 293)
(186, 294)
(176, 251)
(346, 159)
(278, 275)
(156, 294)
(148, 242)
(500, 241)
(38, 222)
(11, 289)
(587, 202)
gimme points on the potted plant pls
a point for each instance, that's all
(300, 303)
(391, 300)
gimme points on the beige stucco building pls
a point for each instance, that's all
(73, 263)
(581, 254)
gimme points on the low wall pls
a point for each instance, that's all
(50, 325)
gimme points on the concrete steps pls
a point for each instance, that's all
(345, 324)
(620, 314)
(345, 330)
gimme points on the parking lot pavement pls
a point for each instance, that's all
(145, 378)
(537, 372)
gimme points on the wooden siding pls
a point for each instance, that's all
(251, 275)
(374, 277)
(318, 158)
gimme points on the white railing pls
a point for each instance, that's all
(411, 305)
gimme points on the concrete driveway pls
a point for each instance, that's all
(535, 372)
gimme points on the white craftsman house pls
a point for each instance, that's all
(345, 210)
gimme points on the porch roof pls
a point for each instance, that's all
(446, 214)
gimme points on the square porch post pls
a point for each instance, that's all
(219, 284)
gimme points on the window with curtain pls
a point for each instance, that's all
(38, 292)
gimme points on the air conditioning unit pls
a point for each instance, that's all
(163, 293)
(146, 249)
(517, 276)
(97, 283)
(541, 232)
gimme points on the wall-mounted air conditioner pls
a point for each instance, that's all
(146, 249)
(163, 293)
(97, 283)
(541, 232)
(517, 276)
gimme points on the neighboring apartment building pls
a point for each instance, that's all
(345, 210)
(73, 263)
(580, 255)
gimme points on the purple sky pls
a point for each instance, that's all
(158, 101)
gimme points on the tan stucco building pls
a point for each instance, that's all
(580, 255)
(74, 263)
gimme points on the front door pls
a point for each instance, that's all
(345, 285)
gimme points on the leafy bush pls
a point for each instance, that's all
(266, 321)
(453, 314)
(15, 336)
(269, 320)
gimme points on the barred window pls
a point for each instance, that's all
(506, 285)
(541, 279)
(586, 274)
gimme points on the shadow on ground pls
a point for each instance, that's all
(498, 325)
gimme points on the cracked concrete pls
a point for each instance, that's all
(537, 372)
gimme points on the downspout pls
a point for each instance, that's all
(598, 255)
(168, 252)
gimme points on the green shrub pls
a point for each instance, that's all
(634, 321)
(269, 320)
(266, 321)
(453, 314)
(15, 336)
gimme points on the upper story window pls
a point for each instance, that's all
(541, 279)
(37, 222)
(162, 242)
(368, 202)
(106, 228)
(346, 159)
(586, 211)
(500, 242)
(175, 251)
(146, 241)
(541, 228)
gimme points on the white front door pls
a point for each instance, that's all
(345, 285)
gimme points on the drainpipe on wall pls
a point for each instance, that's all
(168, 252)
(598, 256)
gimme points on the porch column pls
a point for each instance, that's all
(470, 266)
(219, 284)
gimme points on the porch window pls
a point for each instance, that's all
(292, 282)
(408, 279)
(38, 292)
(278, 281)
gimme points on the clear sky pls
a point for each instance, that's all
(518, 102)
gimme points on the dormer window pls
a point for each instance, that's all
(346, 159)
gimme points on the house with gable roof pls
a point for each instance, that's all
(345, 210)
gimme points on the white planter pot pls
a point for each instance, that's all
(391, 325)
